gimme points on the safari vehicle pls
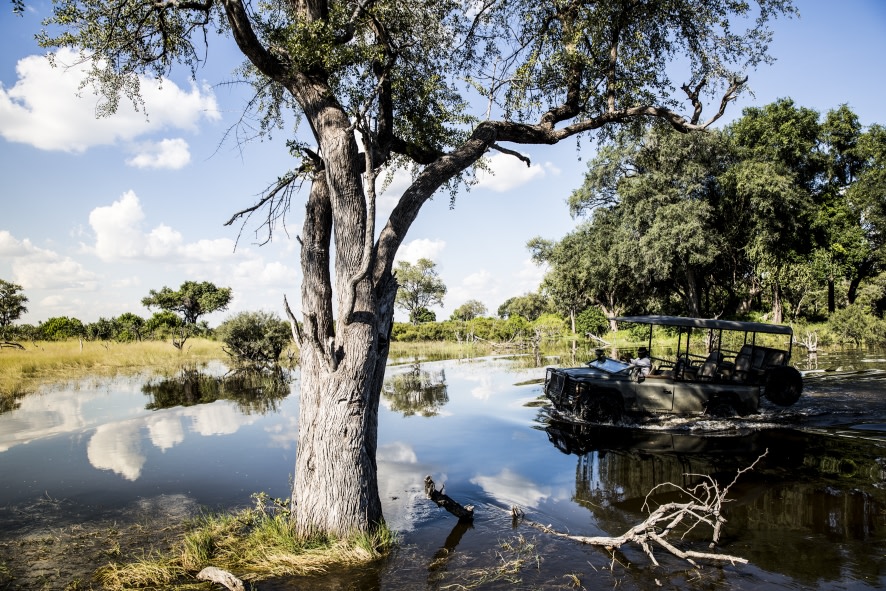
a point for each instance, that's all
(742, 362)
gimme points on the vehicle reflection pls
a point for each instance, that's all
(810, 489)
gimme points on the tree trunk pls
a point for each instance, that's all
(832, 300)
(693, 297)
(335, 489)
(777, 307)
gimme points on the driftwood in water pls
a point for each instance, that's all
(464, 513)
(222, 577)
(703, 508)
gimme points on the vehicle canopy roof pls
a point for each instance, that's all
(712, 323)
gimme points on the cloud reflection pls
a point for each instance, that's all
(401, 484)
(514, 489)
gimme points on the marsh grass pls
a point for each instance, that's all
(512, 557)
(24, 371)
(253, 544)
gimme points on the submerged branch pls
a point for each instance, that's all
(463, 512)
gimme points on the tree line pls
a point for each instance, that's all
(780, 216)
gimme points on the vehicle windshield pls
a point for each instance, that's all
(609, 365)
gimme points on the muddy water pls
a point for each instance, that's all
(86, 470)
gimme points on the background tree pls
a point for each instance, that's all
(774, 186)
(12, 306)
(866, 199)
(191, 300)
(469, 310)
(419, 287)
(130, 327)
(59, 328)
(529, 306)
(547, 71)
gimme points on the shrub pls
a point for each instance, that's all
(254, 338)
(61, 328)
(591, 321)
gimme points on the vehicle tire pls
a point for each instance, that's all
(721, 408)
(602, 409)
(784, 384)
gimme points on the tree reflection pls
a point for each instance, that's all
(417, 391)
(254, 391)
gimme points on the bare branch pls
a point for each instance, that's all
(293, 323)
(513, 153)
(703, 508)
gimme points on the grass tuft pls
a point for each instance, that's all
(253, 544)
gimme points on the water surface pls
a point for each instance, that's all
(146, 451)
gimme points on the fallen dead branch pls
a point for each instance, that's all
(703, 508)
(463, 512)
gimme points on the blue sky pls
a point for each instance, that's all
(95, 213)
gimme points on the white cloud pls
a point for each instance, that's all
(507, 172)
(163, 241)
(529, 277)
(116, 227)
(43, 110)
(422, 248)
(39, 268)
(172, 154)
(208, 250)
(119, 236)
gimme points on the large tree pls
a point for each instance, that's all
(420, 287)
(191, 301)
(390, 75)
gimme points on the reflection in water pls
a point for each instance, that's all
(416, 391)
(254, 391)
(809, 491)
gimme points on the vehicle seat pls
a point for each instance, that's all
(708, 369)
(743, 363)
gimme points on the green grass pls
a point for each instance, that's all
(253, 544)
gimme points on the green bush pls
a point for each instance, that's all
(61, 328)
(254, 338)
(854, 324)
(591, 321)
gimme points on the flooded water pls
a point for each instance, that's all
(127, 455)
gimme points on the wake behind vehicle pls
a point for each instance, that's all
(744, 361)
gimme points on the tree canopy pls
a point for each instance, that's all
(774, 208)
(431, 86)
(469, 310)
(192, 300)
